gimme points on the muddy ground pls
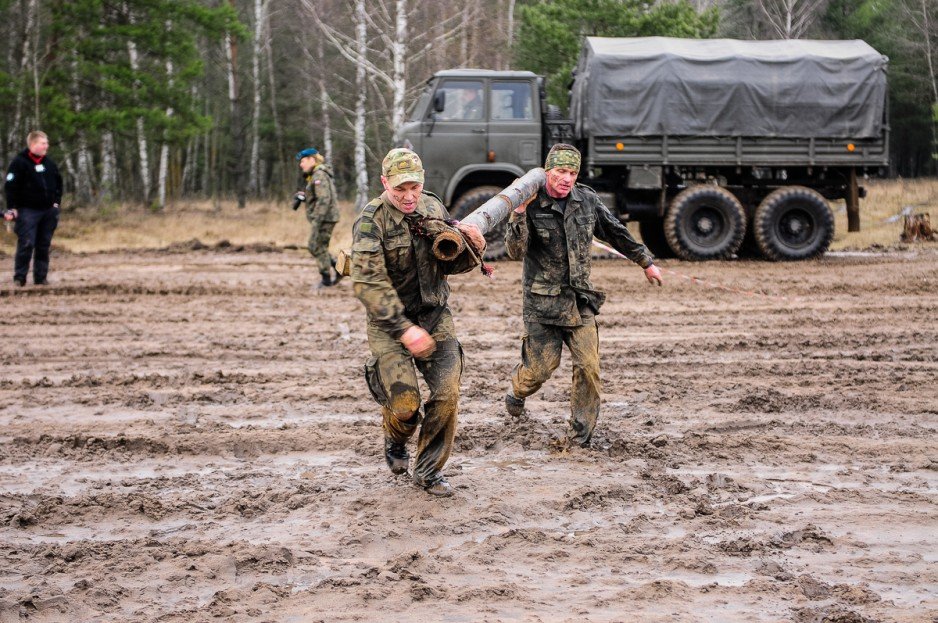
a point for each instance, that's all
(186, 436)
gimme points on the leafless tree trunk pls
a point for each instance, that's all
(164, 149)
(259, 18)
(361, 165)
(29, 32)
(325, 102)
(398, 56)
(272, 86)
(791, 19)
(237, 123)
(142, 146)
(108, 166)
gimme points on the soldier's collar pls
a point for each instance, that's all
(397, 216)
(575, 198)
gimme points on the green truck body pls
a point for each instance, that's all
(716, 147)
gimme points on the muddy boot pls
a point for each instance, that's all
(439, 487)
(326, 279)
(396, 456)
(338, 275)
(514, 406)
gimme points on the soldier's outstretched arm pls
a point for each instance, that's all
(610, 230)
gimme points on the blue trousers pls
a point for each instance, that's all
(34, 229)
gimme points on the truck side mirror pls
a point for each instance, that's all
(439, 101)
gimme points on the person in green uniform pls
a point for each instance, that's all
(553, 233)
(322, 211)
(404, 289)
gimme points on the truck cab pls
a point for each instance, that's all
(476, 131)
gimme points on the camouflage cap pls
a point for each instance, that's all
(563, 155)
(400, 166)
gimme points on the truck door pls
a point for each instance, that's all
(457, 135)
(514, 131)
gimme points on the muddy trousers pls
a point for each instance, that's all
(34, 229)
(392, 378)
(318, 243)
(540, 356)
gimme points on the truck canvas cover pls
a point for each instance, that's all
(651, 86)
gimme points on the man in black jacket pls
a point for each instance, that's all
(33, 192)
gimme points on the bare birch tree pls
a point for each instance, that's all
(791, 19)
(361, 165)
(142, 147)
(260, 12)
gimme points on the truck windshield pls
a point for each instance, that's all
(463, 100)
(418, 109)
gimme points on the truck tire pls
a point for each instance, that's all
(467, 203)
(653, 237)
(705, 223)
(793, 223)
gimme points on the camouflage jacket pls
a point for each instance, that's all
(556, 247)
(321, 203)
(394, 272)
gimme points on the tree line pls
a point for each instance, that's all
(151, 101)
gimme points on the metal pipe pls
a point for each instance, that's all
(488, 215)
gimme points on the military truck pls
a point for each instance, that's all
(715, 147)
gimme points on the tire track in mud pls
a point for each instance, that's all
(204, 447)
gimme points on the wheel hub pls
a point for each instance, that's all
(705, 225)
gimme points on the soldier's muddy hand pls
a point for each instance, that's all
(653, 274)
(474, 234)
(418, 342)
(524, 206)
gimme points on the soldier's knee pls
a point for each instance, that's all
(404, 402)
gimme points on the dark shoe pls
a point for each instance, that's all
(396, 456)
(439, 488)
(514, 406)
(326, 279)
(42, 282)
(19, 282)
(338, 275)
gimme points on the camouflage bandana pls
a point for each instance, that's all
(565, 156)
(401, 166)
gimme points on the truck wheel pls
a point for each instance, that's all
(653, 237)
(793, 223)
(467, 203)
(705, 223)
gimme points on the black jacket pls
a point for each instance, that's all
(31, 185)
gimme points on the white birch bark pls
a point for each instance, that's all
(164, 148)
(142, 147)
(361, 166)
(254, 162)
(399, 68)
(108, 165)
(326, 103)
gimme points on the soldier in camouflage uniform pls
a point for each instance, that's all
(322, 212)
(553, 232)
(404, 290)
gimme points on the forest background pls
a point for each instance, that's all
(149, 102)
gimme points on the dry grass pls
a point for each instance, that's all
(135, 228)
(124, 227)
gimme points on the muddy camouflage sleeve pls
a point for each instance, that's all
(370, 280)
(610, 230)
(516, 235)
